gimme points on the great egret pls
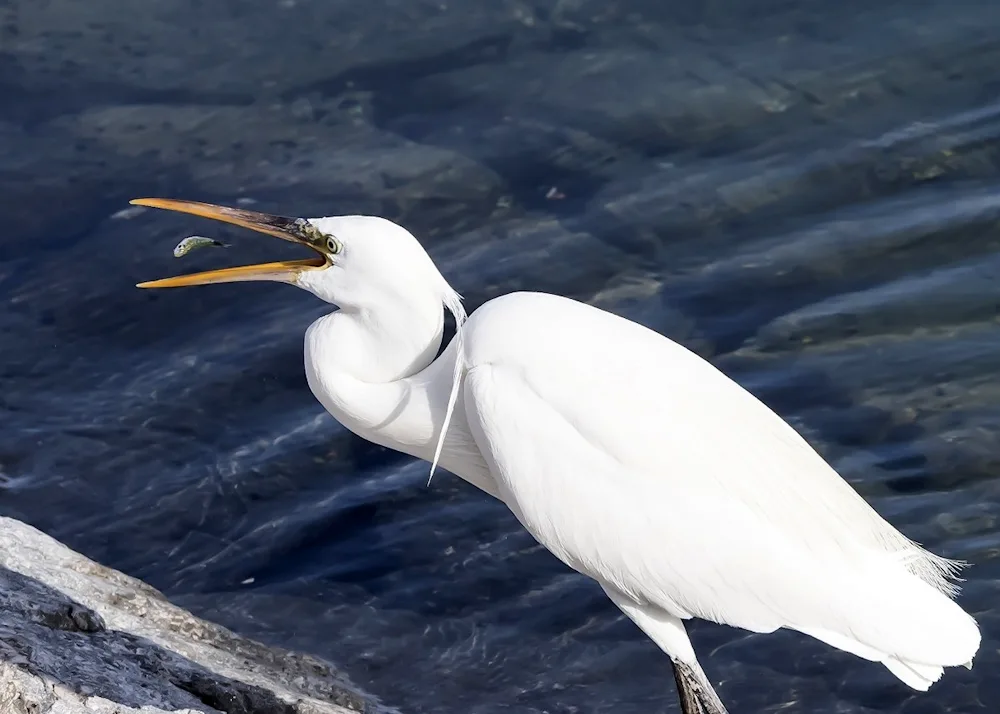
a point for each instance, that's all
(630, 458)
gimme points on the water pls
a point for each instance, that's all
(806, 193)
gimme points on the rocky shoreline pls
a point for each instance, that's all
(78, 637)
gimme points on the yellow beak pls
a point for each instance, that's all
(296, 230)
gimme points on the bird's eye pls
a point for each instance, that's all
(333, 245)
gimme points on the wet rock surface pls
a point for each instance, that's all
(77, 637)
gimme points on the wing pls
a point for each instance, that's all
(638, 463)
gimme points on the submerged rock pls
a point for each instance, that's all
(76, 636)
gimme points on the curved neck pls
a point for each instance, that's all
(370, 373)
(381, 381)
(377, 348)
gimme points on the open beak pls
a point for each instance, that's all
(295, 230)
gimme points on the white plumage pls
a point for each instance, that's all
(630, 458)
(698, 500)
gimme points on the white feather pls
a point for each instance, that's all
(452, 301)
(638, 463)
(631, 459)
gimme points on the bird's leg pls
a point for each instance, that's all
(695, 691)
(667, 631)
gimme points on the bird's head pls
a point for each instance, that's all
(360, 262)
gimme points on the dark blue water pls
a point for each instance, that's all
(807, 193)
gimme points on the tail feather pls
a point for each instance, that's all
(916, 676)
(919, 625)
(906, 624)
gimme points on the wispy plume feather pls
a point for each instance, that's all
(453, 302)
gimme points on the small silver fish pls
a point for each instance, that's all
(192, 242)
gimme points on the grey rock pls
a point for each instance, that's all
(77, 637)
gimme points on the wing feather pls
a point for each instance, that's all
(638, 463)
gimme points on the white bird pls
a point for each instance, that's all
(630, 458)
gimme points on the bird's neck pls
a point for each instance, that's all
(381, 381)
(370, 374)
(377, 348)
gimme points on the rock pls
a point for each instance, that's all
(77, 637)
